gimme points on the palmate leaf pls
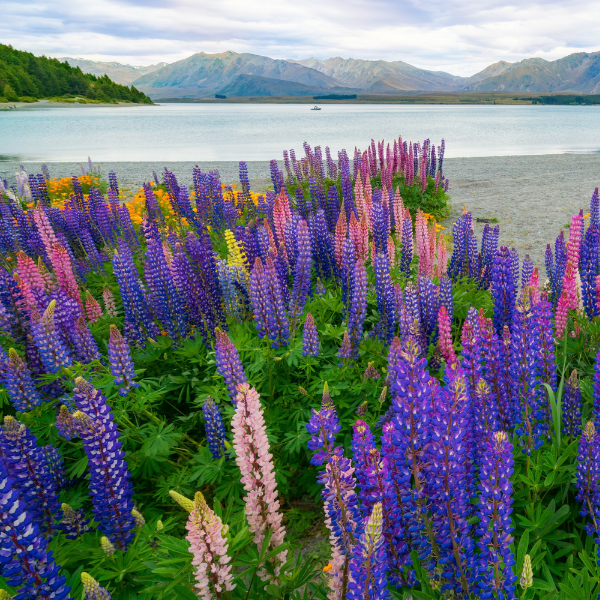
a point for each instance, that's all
(159, 439)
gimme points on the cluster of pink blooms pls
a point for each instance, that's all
(255, 462)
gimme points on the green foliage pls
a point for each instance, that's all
(23, 75)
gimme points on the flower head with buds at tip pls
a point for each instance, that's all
(107, 546)
(74, 523)
(93, 590)
(526, 580)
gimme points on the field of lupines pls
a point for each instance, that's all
(229, 395)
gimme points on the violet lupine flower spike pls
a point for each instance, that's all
(494, 529)
(52, 351)
(27, 466)
(121, 365)
(93, 590)
(588, 478)
(215, 430)
(229, 365)
(258, 477)
(19, 384)
(368, 567)
(25, 560)
(310, 337)
(110, 486)
(571, 408)
(358, 306)
(74, 522)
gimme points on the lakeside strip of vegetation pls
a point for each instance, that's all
(27, 78)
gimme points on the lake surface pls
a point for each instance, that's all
(222, 132)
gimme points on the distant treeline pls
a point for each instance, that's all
(564, 99)
(23, 75)
(336, 97)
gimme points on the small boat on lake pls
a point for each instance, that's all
(315, 108)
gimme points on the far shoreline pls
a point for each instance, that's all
(7, 106)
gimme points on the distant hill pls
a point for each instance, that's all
(578, 72)
(381, 76)
(203, 75)
(24, 75)
(119, 73)
(254, 85)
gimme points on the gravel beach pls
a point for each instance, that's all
(532, 197)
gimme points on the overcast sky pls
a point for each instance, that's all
(458, 36)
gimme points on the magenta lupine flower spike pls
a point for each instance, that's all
(208, 546)
(445, 333)
(19, 384)
(310, 337)
(93, 590)
(229, 365)
(258, 477)
(92, 308)
(121, 365)
(52, 351)
(371, 372)
(495, 528)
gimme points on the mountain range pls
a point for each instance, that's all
(233, 74)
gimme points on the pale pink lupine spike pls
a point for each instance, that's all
(398, 213)
(26, 292)
(340, 236)
(355, 234)
(574, 239)
(168, 253)
(44, 228)
(93, 309)
(258, 474)
(109, 302)
(359, 197)
(445, 339)
(209, 548)
(560, 318)
(364, 230)
(63, 269)
(391, 252)
(442, 258)
(280, 219)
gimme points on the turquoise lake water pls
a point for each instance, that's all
(207, 132)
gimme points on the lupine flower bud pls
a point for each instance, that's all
(184, 502)
(139, 518)
(109, 302)
(65, 424)
(159, 526)
(107, 546)
(310, 337)
(121, 365)
(345, 351)
(93, 590)
(526, 580)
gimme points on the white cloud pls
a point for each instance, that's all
(459, 36)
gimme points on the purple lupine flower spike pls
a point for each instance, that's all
(49, 343)
(93, 590)
(229, 365)
(302, 274)
(215, 430)
(121, 365)
(310, 337)
(588, 477)
(358, 306)
(345, 351)
(110, 486)
(25, 560)
(19, 384)
(27, 466)
(495, 528)
(571, 408)
(74, 523)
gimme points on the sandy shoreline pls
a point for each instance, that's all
(6, 106)
(532, 197)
